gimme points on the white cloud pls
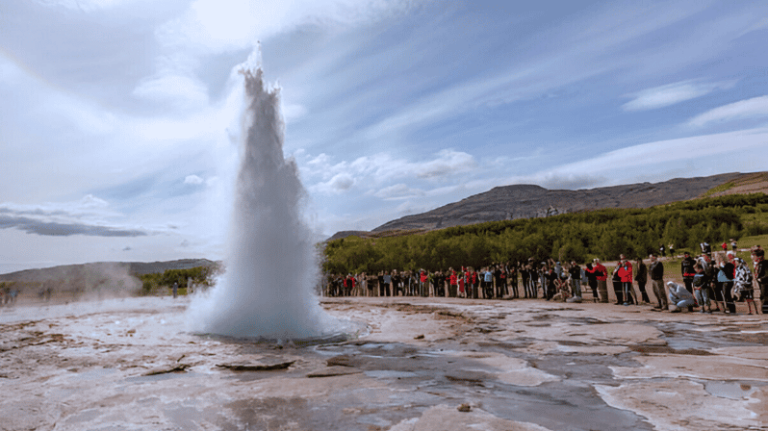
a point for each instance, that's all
(88, 5)
(179, 91)
(339, 183)
(448, 163)
(193, 179)
(756, 107)
(398, 192)
(91, 201)
(720, 151)
(667, 95)
(237, 24)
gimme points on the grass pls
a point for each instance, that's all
(750, 241)
(721, 188)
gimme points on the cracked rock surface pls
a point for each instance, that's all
(130, 364)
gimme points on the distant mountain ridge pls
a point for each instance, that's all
(75, 271)
(528, 201)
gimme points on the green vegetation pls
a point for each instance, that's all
(580, 236)
(721, 188)
(153, 284)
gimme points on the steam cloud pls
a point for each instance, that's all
(271, 269)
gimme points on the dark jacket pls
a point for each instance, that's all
(657, 270)
(686, 268)
(641, 277)
(761, 272)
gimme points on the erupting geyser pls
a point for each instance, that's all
(271, 268)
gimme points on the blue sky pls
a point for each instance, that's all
(118, 116)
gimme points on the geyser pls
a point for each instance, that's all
(271, 269)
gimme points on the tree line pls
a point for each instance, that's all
(579, 236)
(200, 276)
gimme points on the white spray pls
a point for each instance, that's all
(271, 269)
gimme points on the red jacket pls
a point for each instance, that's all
(602, 273)
(423, 277)
(452, 279)
(625, 272)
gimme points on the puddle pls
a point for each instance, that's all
(390, 374)
(731, 390)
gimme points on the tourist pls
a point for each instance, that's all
(662, 250)
(388, 284)
(657, 282)
(501, 280)
(700, 290)
(601, 274)
(724, 284)
(742, 285)
(561, 284)
(576, 274)
(423, 283)
(551, 275)
(733, 245)
(641, 277)
(617, 285)
(474, 280)
(679, 297)
(625, 273)
(589, 271)
(439, 282)
(671, 250)
(686, 270)
(730, 300)
(487, 283)
(453, 283)
(761, 276)
(512, 280)
(175, 289)
(524, 275)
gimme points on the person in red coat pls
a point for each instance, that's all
(601, 275)
(625, 272)
(453, 283)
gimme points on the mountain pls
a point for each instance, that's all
(527, 201)
(103, 269)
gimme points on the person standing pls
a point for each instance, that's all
(576, 276)
(512, 280)
(524, 274)
(662, 250)
(657, 282)
(592, 281)
(687, 271)
(641, 277)
(487, 284)
(625, 272)
(700, 291)
(761, 276)
(601, 275)
(387, 284)
(742, 284)
(175, 289)
(453, 283)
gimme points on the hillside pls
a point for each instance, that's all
(528, 201)
(72, 272)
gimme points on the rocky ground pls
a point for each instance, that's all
(421, 364)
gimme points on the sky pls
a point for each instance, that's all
(119, 119)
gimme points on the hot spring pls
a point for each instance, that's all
(267, 290)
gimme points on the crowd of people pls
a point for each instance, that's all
(711, 282)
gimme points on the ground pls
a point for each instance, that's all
(421, 364)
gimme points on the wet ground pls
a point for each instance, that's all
(423, 364)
